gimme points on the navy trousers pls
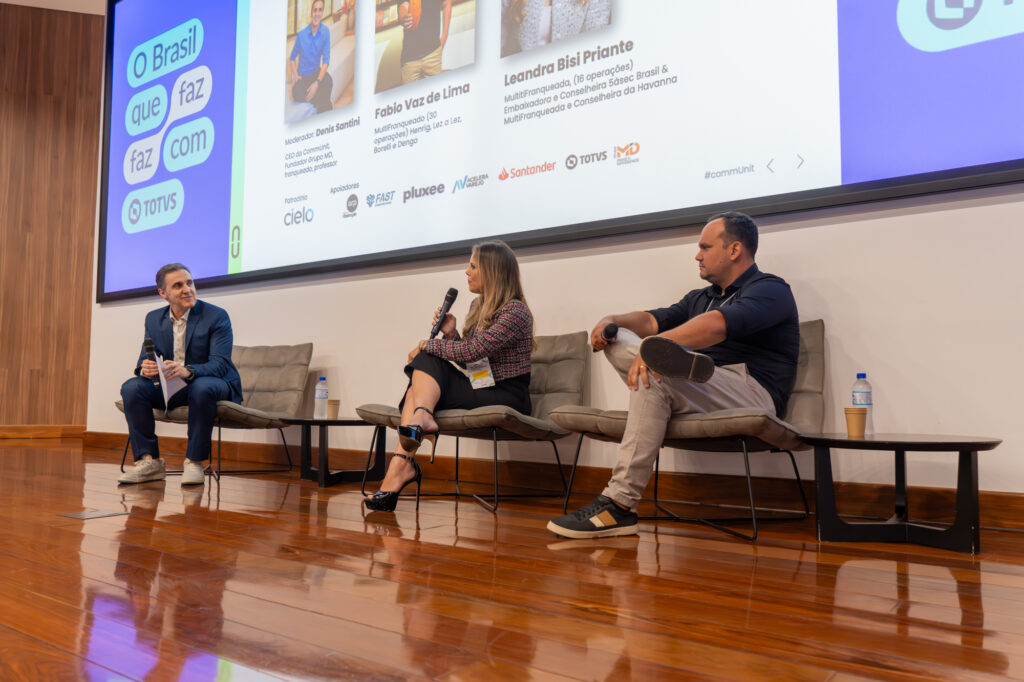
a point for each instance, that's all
(141, 396)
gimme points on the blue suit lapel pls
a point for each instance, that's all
(165, 335)
(194, 320)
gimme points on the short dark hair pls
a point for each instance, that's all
(162, 273)
(739, 227)
(323, 5)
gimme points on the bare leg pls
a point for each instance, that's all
(422, 392)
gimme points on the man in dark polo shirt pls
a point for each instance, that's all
(423, 42)
(745, 324)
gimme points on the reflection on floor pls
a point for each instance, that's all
(270, 578)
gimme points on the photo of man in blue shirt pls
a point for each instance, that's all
(309, 60)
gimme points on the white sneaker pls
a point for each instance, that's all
(192, 474)
(146, 469)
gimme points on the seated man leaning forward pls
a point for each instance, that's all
(195, 341)
(747, 328)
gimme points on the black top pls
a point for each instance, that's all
(762, 329)
(426, 38)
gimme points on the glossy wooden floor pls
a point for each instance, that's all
(271, 578)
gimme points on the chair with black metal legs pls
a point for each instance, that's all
(273, 382)
(742, 431)
(558, 376)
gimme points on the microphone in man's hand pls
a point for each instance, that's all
(449, 298)
(609, 333)
(150, 350)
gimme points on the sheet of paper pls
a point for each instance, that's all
(168, 386)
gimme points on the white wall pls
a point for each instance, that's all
(921, 293)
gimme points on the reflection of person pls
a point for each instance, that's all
(526, 24)
(196, 341)
(424, 36)
(495, 347)
(309, 60)
(745, 323)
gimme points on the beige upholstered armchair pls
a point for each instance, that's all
(273, 381)
(558, 377)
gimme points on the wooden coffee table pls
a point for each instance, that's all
(962, 536)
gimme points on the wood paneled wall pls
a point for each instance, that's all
(51, 74)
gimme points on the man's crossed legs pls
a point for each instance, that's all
(613, 512)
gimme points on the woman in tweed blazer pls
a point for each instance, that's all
(498, 332)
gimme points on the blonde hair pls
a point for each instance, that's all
(517, 9)
(501, 284)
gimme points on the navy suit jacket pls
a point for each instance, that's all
(208, 343)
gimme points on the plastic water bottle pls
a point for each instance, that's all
(862, 398)
(320, 399)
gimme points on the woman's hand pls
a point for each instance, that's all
(448, 326)
(420, 347)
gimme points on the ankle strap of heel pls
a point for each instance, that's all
(405, 457)
(424, 409)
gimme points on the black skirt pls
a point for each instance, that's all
(457, 393)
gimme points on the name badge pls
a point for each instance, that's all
(479, 373)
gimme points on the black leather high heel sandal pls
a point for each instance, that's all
(386, 501)
(412, 435)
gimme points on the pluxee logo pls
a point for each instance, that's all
(415, 192)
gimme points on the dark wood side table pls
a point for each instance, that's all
(321, 473)
(962, 536)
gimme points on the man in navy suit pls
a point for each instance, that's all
(195, 341)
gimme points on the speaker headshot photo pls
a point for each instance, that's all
(321, 57)
(526, 24)
(417, 39)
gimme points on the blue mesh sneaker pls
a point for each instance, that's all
(599, 519)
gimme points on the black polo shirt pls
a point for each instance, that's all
(762, 328)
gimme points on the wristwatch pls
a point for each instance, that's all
(191, 373)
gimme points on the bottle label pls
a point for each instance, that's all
(861, 398)
(321, 394)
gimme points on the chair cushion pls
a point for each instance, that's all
(273, 377)
(232, 416)
(475, 423)
(710, 432)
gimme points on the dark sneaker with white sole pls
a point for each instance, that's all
(668, 359)
(601, 518)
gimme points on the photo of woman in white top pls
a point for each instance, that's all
(526, 24)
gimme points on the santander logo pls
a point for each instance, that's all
(503, 175)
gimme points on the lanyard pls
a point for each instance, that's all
(712, 302)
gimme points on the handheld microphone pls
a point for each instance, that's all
(150, 350)
(609, 333)
(449, 298)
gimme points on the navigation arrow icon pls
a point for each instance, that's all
(769, 165)
(801, 160)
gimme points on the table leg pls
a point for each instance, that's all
(831, 528)
(306, 454)
(900, 502)
(323, 468)
(964, 535)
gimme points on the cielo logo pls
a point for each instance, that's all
(299, 216)
(543, 167)
(420, 192)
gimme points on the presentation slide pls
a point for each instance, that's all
(253, 136)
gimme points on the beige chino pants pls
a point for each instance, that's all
(651, 408)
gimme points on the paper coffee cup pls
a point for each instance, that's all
(855, 420)
(333, 405)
